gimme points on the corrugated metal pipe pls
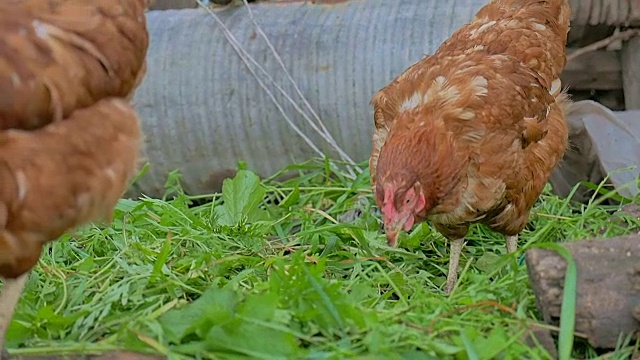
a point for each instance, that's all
(203, 109)
(585, 12)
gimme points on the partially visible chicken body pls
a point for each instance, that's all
(472, 133)
(69, 139)
(63, 175)
(60, 55)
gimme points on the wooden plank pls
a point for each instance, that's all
(631, 73)
(612, 12)
(172, 4)
(598, 70)
(583, 35)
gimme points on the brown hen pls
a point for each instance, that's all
(69, 139)
(472, 133)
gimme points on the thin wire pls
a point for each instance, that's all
(248, 60)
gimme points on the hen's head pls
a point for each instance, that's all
(401, 203)
(415, 172)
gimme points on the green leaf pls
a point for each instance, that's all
(496, 342)
(241, 198)
(126, 205)
(412, 240)
(161, 260)
(291, 199)
(214, 306)
(253, 331)
(87, 264)
(468, 345)
(487, 262)
(445, 348)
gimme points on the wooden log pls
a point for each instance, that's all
(631, 73)
(598, 70)
(608, 287)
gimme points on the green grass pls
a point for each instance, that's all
(293, 269)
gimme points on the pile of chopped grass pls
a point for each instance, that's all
(292, 269)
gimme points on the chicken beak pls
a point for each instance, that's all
(392, 229)
(392, 235)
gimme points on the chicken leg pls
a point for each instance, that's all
(512, 243)
(454, 258)
(9, 298)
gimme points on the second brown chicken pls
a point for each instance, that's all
(472, 133)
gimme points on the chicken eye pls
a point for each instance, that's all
(407, 201)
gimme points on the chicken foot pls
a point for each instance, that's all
(9, 298)
(454, 258)
(512, 243)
